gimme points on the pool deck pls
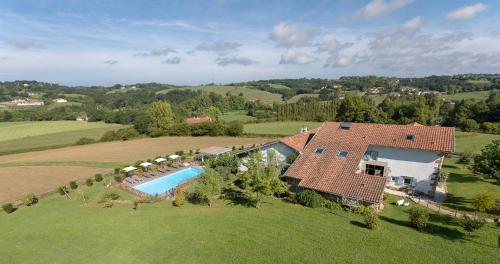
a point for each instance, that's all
(170, 170)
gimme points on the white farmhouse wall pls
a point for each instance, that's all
(281, 150)
(420, 165)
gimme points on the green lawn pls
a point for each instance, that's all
(478, 95)
(473, 142)
(297, 97)
(237, 116)
(249, 94)
(279, 86)
(463, 185)
(57, 230)
(278, 128)
(37, 135)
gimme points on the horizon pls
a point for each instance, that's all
(95, 43)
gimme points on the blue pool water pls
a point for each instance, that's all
(165, 183)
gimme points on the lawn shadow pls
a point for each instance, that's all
(457, 202)
(238, 197)
(431, 229)
(464, 178)
(358, 224)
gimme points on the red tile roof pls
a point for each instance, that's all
(196, 120)
(298, 142)
(331, 174)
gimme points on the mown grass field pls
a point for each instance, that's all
(58, 230)
(278, 128)
(478, 95)
(279, 86)
(463, 185)
(472, 142)
(37, 135)
(297, 97)
(237, 116)
(249, 94)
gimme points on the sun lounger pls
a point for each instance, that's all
(162, 170)
(129, 180)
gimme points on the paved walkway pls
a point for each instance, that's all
(432, 205)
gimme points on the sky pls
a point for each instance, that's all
(106, 42)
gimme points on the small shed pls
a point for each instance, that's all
(213, 152)
(174, 156)
(160, 160)
(129, 169)
(146, 164)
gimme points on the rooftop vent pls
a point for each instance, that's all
(410, 137)
(342, 154)
(345, 125)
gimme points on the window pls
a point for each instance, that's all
(410, 137)
(342, 154)
(407, 180)
(374, 170)
(319, 151)
(394, 179)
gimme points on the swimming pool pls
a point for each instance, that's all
(168, 182)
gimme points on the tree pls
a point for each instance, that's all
(471, 224)
(209, 185)
(483, 201)
(488, 162)
(160, 117)
(214, 113)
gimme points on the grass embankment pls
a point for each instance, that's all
(247, 93)
(237, 116)
(57, 230)
(18, 137)
(278, 128)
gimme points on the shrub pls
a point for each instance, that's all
(371, 220)
(109, 196)
(73, 185)
(89, 182)
(107, 204)
(85, 141)
(471, 224)
(418, 218)
(98, 177)
(361, 210)
(179, 199)
(118, 178)
(117, 170)
(30, 199)
(62, 190)
(332, 205)
(483, 201)
(8, 208)
(466, 157)
(310, 199)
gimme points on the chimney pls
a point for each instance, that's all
(303, 129)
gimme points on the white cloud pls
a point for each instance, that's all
(243, 61)
(173, 60)
(111, 62)
(24, 43)
(297, 57)
(414, 23)
(466, 12)
(156, 53)
(219, 47)
(289, 35)
(377, 8)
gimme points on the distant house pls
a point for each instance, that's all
(375, 90)
(353, 162)
(197, 120)
(82, 118)
(60, 100)
(394, 94)
(26, 102)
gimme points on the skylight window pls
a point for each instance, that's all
(319, 151)
(345, 125)
(410, 137)
(342, 154)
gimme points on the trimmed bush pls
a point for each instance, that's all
(118, 178)
(8, 208)
(30, 199)
(85, 141)
(371, 220)
(98, 177)
(89, 182)
(110, 196)
(418, 218)
(332, 205)
(73, 185)
(310, 199)
(117, 171)
(471, 224)
(179, 199)
(62, 190)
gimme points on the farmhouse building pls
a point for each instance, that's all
(353, 162)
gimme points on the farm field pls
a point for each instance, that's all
(297, 97)
(279, 86)
(57, 229)
(463, 185)
(37, 135)
(249, 94)
(278, 128)
(472, 141)
(237, 116)
(45, 166)
(478, 95)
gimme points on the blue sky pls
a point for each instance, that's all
(193, 42)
